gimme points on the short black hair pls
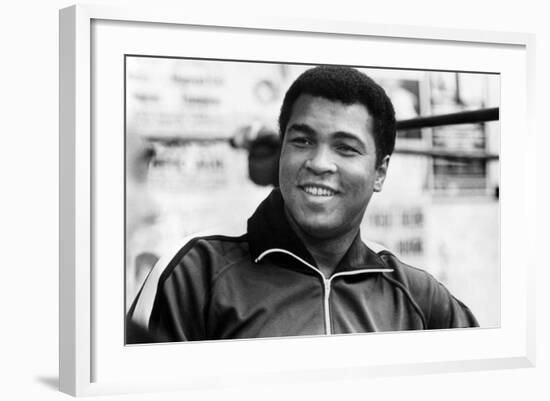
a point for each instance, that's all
(349, 86)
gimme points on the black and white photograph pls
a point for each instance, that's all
(275, 200)
(285, 199)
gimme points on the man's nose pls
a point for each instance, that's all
(321, 161)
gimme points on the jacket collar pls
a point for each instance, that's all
(268, 228)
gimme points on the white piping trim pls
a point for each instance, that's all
(326, 281)
(350, 273)
(272, 250)
(144, 303)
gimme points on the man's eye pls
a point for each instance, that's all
(347, 150)
(301, 141)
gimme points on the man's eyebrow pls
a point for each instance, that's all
(304, 128)
(308, 130)
(346, 135)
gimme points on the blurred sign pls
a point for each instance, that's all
(193, 166)
(169, 98)
(400, 228)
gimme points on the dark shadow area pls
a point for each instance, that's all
(51, 382)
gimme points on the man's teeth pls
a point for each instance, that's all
(317, 191)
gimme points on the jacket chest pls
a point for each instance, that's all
(265, 303)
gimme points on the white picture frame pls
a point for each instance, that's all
(93, 358)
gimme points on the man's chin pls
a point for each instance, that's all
(316, 225)
(321, 230)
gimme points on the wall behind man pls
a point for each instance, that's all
(28, 212)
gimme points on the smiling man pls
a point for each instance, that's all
(302, 268)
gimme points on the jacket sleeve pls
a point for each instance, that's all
(178, 312)
(438, 307)
(444, 311)
(182, 293)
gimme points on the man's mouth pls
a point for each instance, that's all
(317, 190)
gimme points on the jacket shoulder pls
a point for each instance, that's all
(212, 252)
(414, 279)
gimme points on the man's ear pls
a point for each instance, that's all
(381, 171)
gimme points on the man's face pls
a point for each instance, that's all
(328, 170)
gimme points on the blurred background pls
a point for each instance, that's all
(201, 153)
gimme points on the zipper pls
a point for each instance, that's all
(328, 329)
(326, 281)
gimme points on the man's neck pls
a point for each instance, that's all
(327, 252)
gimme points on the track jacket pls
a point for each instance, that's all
(265, 283)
